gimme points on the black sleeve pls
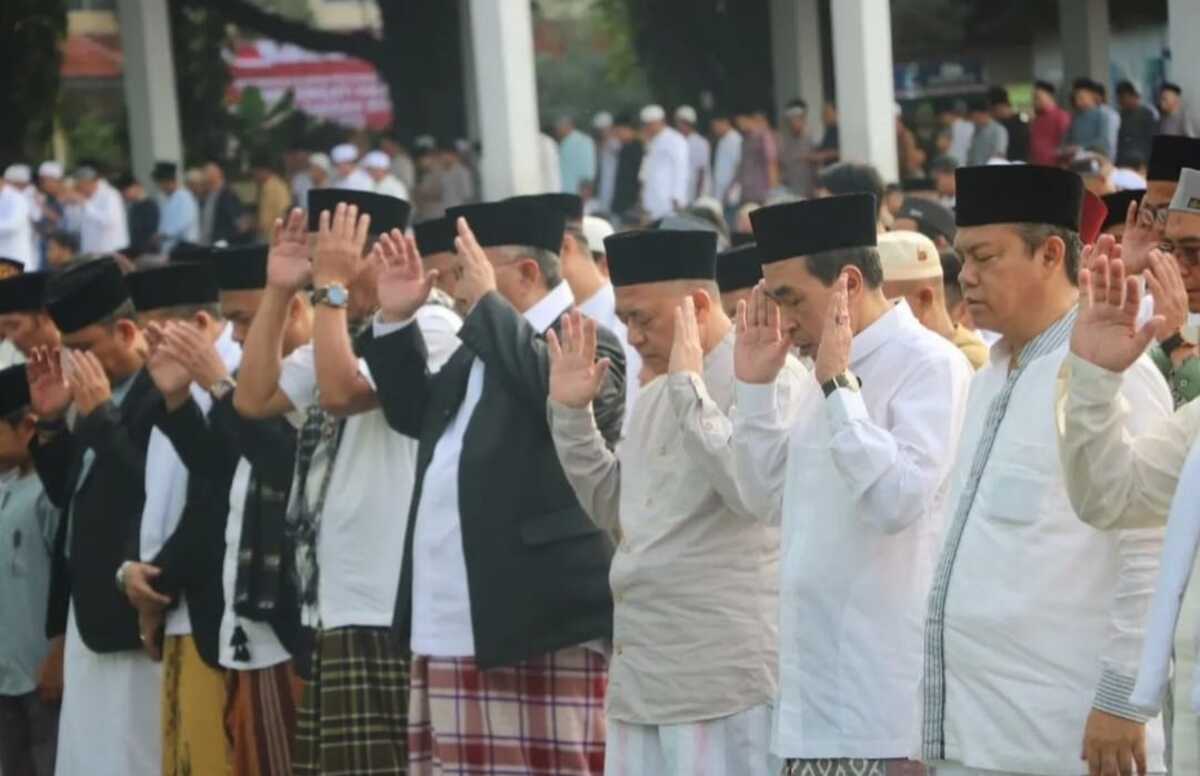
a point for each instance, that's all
(398, 364)
(505, 341)
(609, 405)
(53, 463)
(205, 449)
(269, 445)
(104, 432)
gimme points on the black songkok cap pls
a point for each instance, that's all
(738, 239)
(1018, 193)
(171, 286)
(659, 256)
(1169, 154)
(164, 171)
(918, 184)
(738, 268)
(932, 218)
(387, 213)
(796, 229)
(23, 293)
(524, 221)
(1118, 205)
(241, 268)
(14, 390)
(186, 252)
(435, 236)
(85, 294)
(571, 205)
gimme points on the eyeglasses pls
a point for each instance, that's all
(1150, 216)
(1190, 254)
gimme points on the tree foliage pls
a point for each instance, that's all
(31, 36)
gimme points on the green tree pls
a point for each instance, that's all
(31, 36)
(199, 38)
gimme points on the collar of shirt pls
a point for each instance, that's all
(599, 306)
(548, 309)
(871, 338)
(1049, 339)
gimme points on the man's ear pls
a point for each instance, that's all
(854, 280)
(126, 331)
(925, 296)
(202, 320)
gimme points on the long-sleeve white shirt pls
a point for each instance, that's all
(664, 174)
(726, 158)
(16, 226)
(858, 480)
(103, 227)
(391, 186)
(179, 220)
(1035, 618)
(699, 166)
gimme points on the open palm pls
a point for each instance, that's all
(1106, 332)
(49, 394)
(288, 264)
(760, 350)
(575, 374)
(403, 283)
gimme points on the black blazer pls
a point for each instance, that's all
(537, 566)
(105, 516)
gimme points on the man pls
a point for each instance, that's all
(379, 166)
(16, 225)
(457, 184)
(180, 538)
(990, 140)
(1138, 125)
(912, 271)
(353, 478)
(918, 214)
(738, 271)
(435, 242)
(274, 195)
(796, 170)
(142, 215)
(1071, 657)
(94, 470)
(954, 118)
(1089, 125)
(942, 169)
(726, 158)
(31, 678)
(320, 170)
(758, 170)
(346, 172)
(1014, 124)
(669, 494)
(576, 158)
(1174, 118)
(911, 157)
(483, 566)
(608, 151)
(1112, 118)
(855, 479)
(829, 150)
(844, 178)
(1096, 171)
(1048, 130)
(221, 212)
(627, 192)
(248, 465)
(179, 219)
(699, 154)
(23, 319)
(62, 248)
(595, 231)
(197, 183)
(664, 174)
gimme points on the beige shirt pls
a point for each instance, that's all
(695, 576)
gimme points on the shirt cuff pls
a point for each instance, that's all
(755, 398)
(1091, 384)
(1112, 697)
(845, 406)
(382, 328)
(572, 421)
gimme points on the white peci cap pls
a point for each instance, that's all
(17, 173)
(50, 169)
(652, 113)
(595, 229)
(320, 160)
(1187, 195)
(602, 120)
(346, 153)
(686, 113)
(908, 256)
(377, 160)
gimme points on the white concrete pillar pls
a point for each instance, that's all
(1183, 26)
(468, 69)
(1083, 30)
(796, 55)
(862, 60)
(149, 79)
(502, 39)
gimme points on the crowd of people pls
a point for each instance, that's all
(722, 458)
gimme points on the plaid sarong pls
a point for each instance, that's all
(352, 716)
(852, 767)
(260, 719)
(543, 717)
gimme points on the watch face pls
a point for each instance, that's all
(338, 296)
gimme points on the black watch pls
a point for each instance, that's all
(1172, 343)
(844, 380)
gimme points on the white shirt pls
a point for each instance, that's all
(441, 613)
(16, 226)
(391, 186)
(961, 133)
(699, 172)
(1043, 615)
(664, 174)
(364, 522)
(548, 160)
(861, 478)
(357, 180)
(601, 307)
(103, 226)
(725, 164)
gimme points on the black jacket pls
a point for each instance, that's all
(627, 189)
(227, 218)
(105, 511)
(143, 228)
(537, 566)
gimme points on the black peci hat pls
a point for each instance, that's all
(1169, 154)
(523, 221)
(1118, 205)
(172, 286)
(571, 205)
(387, 213)
(661, 256)
(435, 236)
(85, 294)
(1018, 193)
(933, 218)
(738, 268)
(14, 390)
(23, 293)
(187, 252)
(240, 268)
(164, 171)
(796, 229)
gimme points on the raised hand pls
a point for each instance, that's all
(340, 240)
(1170, 295)
(478, 276)
(1106, 331)
(1142, 234)
(169, 374)
(687, 353)
(760, 350)
(288, 267)
(185, 344)
(89, 384)
(403, 283)
(833, 354)
(575, 374)
(49, 394)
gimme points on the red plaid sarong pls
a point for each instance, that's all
(543, 717)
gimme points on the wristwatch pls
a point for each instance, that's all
(844, 380)
(1172, 343)
(121, 575)
(222, 388)
(333, 295)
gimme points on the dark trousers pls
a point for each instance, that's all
(28, 735)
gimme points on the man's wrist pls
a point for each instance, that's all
(121, 571)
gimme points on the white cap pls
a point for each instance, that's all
(652, 113)
(686, 113)
(17, 173)
(908, 256)
(1187, 194)
(50, 169)
(602, 120)
(595, 229)
(320, 160)
(377, 160)
(346, 153)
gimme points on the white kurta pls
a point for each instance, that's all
(103, 225)
(664, 174)
(1035, 618)
(860, 478)
(16, 226)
